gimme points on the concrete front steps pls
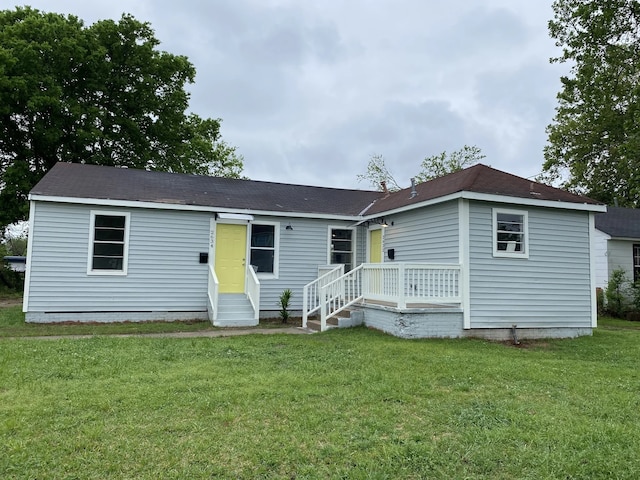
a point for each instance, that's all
(345, 319)
(235, 310)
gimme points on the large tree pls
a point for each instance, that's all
(101, 94)
(594, 139)
(431, 167)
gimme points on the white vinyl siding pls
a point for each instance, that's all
(424, 235)
(600, 252)
(163, 274)
(302, 250)
(551, 289)
(620, 256)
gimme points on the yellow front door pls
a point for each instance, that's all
(375, 246)
(375, 256)
(231, 250)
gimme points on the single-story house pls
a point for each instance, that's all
(479, 252)
(617, 244)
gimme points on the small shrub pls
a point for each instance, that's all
(285, 301)
(617, 293)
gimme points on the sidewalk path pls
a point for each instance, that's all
(231, 332)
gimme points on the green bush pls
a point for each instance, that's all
(617, 293)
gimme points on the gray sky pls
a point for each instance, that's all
(309, 91)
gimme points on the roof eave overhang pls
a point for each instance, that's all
(488, 197)
(626, 239)
(183, 207)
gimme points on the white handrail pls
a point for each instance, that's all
(212, 294)
(252, 287)
(340, 294)
(311, 292)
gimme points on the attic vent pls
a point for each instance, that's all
(414, 192)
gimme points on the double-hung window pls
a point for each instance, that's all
(636, 262)
(264, 248)
(341, 247)
(108, 248)
(510, 233)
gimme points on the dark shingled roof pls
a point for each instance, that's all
(619, 222)
(478, 179)
(110, 183)
(96, 182)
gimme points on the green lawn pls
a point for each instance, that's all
(342, 404)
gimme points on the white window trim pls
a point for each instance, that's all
(92, 230)
(276, 250)
(353, 243)
(525, 221)
(369, 230)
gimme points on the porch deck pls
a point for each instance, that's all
(397, 288)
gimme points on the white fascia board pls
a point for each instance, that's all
(626, 239)
(532, 202)
(190, 208)
(487, 197)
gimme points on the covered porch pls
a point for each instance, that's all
(396, 297)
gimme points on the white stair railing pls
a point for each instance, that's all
(340, 294)
(212, 294)
(311, 292)
(252, 289)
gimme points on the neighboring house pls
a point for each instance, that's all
(617, 244)
(16, 263)
(476, 253)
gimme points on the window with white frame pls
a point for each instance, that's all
(341, 247)
(510, 233)
(636, 262)
(108, 249)
(264, 248)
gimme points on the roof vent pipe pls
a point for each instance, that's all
(413, 188)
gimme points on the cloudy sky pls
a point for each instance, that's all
(309, 91)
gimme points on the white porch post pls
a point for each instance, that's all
(463, 257)
(402, 298)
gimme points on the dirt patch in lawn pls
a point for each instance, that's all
(10, 302)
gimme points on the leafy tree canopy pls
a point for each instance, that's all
(594, 139)
(430, 168)
(101, 94)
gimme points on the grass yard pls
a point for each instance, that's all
(342, 404)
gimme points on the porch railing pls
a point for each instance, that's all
(402, 285)
(311, 291)
(407, 284)
(212, 294)
(252, 289)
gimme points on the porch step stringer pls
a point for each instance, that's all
(235, 310)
